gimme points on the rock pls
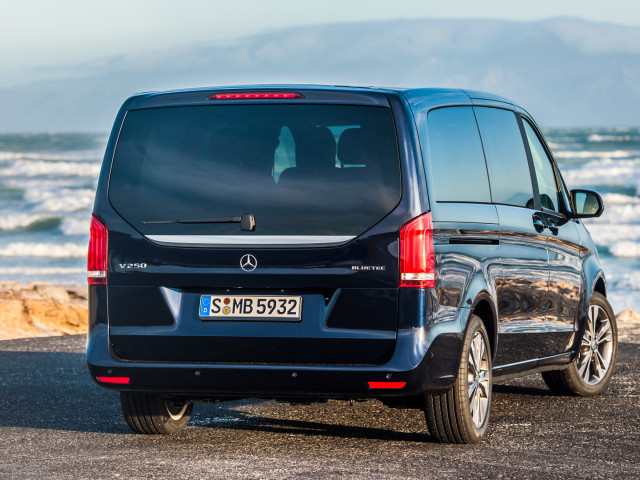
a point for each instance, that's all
(40, 309)
(628, 316)
(628, 326)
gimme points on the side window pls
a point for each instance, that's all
(506, 157)
(549, 193)
(457, 162)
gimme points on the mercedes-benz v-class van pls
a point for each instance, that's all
(305, 243)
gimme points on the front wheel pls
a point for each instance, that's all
(155, 414)
(461, 414)
(591, 370)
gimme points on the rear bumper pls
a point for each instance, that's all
(427, 359)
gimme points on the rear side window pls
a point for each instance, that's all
(547, 187)
(459, 172)
(285, 164)
(506, 157)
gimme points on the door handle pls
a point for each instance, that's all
(553, 228)
(538, 224)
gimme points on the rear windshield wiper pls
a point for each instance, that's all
(247, 221)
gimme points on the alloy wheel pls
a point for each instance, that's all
(175, 408)
(596, 347)
(478, 380)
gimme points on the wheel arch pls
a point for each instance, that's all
(484, 307)
(600, 286)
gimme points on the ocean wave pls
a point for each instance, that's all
(40, 167)
(609, 233)
(41, 270)
(10, 192)
(39, 183)
(70, 156)
(49, 250)
(595, 154)
(75, 226)
(30, 223)
(62, 200)
(604, 172)
(619, 199)
(596, 138)
(625, 249)
(619, 240)
(624, 208)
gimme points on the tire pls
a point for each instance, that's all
(454, 416)
(155, 414)
(590, 372)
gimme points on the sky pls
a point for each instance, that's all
(37, 34)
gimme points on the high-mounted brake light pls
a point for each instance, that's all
(417, 259)
(97, 258)
(253, 95)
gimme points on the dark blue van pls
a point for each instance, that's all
(311, 242)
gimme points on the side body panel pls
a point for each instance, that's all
(466, 235)
(522, 287)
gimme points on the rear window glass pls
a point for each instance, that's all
(457, 161)
(299, 169)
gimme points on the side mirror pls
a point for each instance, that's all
(586, 204)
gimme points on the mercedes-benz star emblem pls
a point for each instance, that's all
(248, 263)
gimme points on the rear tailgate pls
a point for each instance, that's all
(326, 221)
(348, 315)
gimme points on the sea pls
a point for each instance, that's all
(48, 180)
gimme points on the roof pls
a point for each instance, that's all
(200, 95)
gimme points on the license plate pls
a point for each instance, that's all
(251, 307)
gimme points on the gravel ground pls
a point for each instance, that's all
(54, 422)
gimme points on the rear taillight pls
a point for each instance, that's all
(417, 260)
(97, 259)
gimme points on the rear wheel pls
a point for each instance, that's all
(461, 414)
(590, 372)
(155, 414)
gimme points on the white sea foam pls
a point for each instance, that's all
(595, 154)
(608, 233)
(71, 156)
(31, 168)
(75, 226)
(62, 200)
(625, 249)
(622, 284)
(611, 138)
(49, 250)
(20, 220)
(603, 172)
(622, 213)
(621, 240)
(619, 199)
(40, 270)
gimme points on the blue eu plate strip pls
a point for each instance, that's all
(205, 306)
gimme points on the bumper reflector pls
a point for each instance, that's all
(113, 379)
(387, 384)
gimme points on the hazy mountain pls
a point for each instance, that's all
(565, 71)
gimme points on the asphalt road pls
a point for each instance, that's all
(55, 423)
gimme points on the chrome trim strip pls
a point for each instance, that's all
(250, 240)
(533, 361)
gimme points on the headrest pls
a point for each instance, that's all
(352, 147)
(315, 148)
